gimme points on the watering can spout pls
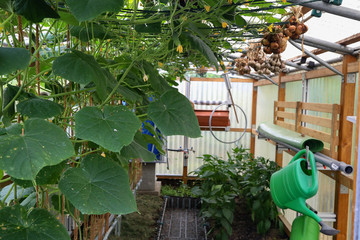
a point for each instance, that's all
(327, 230)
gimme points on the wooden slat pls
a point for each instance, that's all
(286, 115)
(346, 180)
(320, 121)
(285, 125)
(315, 133)
(241, 80)
(326, 151)
(319, 107)
(286, 104)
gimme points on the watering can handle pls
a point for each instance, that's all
(312, 163)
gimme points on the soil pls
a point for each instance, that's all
(142, 225)
(245, 229)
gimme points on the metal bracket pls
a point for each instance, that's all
(351, 78)
(343, 189)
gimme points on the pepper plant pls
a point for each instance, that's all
(240, 175)
(79, 78)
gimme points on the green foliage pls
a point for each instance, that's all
(98, 186)
(95, 80)
(18, 223)
(168, 114)
(182, 191)
(223, 181)
(112, 129)
(13, 59)
(43, 144)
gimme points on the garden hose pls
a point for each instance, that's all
(227, 142)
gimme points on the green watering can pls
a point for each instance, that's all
(293, 184)
(305, 228)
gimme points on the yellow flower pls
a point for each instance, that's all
(179, 48)
(224, 24)
(284, 1)
(271, 27)
(103, 154)
(239, 50)
(221, 63)
(260, 30)
(230, 1)
(207, 8)
(108, 40)
(160, 64)
(145, 78)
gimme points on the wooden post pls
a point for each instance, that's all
(281, 98)
(345, 136)
(356, 157)
(253, 120)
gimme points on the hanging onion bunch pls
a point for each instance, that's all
(295, 28)
(242, 65)
(257, 60)
(274, 41)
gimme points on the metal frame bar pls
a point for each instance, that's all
(295, 65)
(329, 46)
(336, 10)
(324, 63)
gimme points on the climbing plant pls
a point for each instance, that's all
(80, 78)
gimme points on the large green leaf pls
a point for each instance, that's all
(39, 108)
(199, 45)
(77, 67)
(174, 115)
(82, 68)
(34, 10)
(111, 129)
(98, 186)
(12, 59)
(90, 31)
(43, 144)
(138, 149)
(17, 224)
(85, 10)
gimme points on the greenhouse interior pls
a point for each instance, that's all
(179, 119)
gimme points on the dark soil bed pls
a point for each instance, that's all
(245, 229)
(142, 225)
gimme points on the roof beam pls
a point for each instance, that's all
(337, 10)
(347, 41)
(324, 63)
(332, 47)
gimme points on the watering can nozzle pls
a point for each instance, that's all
(327, 230)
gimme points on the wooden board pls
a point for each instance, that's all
(220, 118)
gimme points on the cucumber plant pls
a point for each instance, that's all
(79, 79)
